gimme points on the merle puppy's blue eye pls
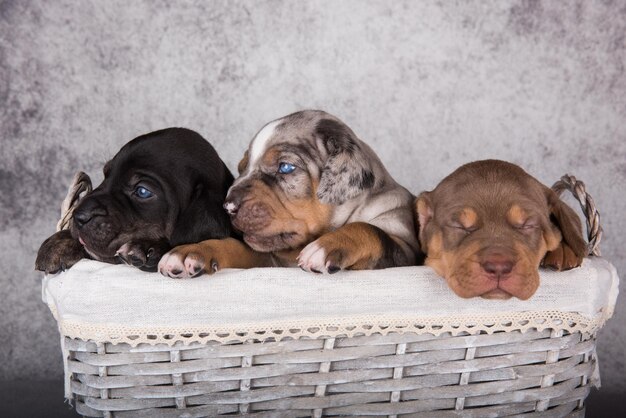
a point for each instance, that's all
(143, 193)
(286, 168)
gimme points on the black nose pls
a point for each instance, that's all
(497, 266)
(86, 211)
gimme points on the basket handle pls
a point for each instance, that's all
(80, 186)
(592, 216)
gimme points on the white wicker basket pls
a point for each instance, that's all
(389, 351)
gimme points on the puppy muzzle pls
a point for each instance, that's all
(251, 217)
(94, 227)
(248, 213)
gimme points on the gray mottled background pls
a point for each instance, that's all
(430, 85)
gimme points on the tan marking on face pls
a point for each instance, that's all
(468, 218)
(267, 213)
(435, 255)
(516, 215)
(314, 214)
(270, 158)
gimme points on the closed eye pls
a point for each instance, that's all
(286, 168)
(142, 192)
(459, 227)
(527, 227)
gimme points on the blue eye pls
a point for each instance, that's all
(143, 193)
(286, 168)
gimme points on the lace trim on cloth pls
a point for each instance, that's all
(346, 327)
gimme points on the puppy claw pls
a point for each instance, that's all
(120, 259)
(137, 260)
(332, 269)
(193, 267)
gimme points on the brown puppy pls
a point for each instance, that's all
(488, 226)
(310, 193)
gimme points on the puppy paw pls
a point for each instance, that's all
(58, 253)
(187, 261)
(321, 256)
(561, 258)
(209, 257)
(354, 246)
(144, 255)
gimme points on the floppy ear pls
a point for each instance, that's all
(424, 210)
(243, 164)
(204, 218)
(347, 171)
(568, 222)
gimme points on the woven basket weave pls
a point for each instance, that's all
(541, 373)
(546, 373)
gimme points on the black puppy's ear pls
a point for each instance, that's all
(204, 218)
(568, 223)
(424, 211)
(347, 171)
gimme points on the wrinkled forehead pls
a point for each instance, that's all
(492, 201)
(293, 134)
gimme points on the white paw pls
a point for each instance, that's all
(312, 258)
(179, 265)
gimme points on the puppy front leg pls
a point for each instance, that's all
(59, 252)
(354, 246)
(210, 256)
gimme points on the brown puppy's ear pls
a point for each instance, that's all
(424, 210)
(243, 164)
(572, 249)
(347, 171)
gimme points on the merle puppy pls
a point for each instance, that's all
(312, 194)
(162, 189)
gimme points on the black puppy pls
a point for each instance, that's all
(162, 189)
